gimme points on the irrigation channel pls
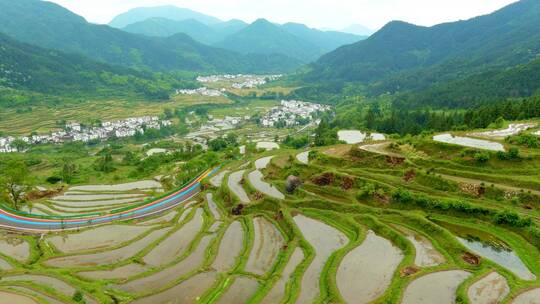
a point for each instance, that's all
(26, 222)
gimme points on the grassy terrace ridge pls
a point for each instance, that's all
(402, 184)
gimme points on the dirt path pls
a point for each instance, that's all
(379, 148)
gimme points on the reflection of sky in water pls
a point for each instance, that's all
(500, 255)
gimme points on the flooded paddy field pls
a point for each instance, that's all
(366, 272)
(492, 288)
(351, 242)
(438, 287)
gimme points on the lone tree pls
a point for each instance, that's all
(15, 181)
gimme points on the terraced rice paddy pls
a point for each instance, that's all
(365, 272)
(267, 243)
(342, 236)
(492, 288)
(325, 240)
(438, 287)
(235, 184)
(9, 297)
(14, 247)
(469, 142)
(528, 297)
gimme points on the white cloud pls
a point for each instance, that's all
(316, 13)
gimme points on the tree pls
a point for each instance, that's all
(15, 181)
(105, 162)
(68, 171)
(19, 144)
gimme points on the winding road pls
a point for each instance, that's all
(40, 224)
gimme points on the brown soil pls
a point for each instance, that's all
(407, 271)
(324, 179)
(36, 194)
(470, 258)
(395, 160)
(347, 183)
(409, 175)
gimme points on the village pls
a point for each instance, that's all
(240, 81)
(291, 113)
(201, 91)
(75, 131)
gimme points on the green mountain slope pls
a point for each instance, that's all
(403, 57)
(263, 37)
(29, 68)
(50, 26)
(168, 12)
(326, 41)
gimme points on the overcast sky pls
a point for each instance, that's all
(315, 13)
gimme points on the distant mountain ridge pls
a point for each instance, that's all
(51, 26)
(168, 12)
(261, 37)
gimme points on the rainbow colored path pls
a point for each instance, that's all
(39, 224)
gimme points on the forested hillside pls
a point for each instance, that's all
(26, 67)
(459, 62)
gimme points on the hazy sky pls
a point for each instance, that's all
(316, 13)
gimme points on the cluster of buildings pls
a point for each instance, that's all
(290, 112)
(209, 130)
(240, 81)
(75, 131)
(201, 91)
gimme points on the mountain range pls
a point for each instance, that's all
(51, 26)
(261, 37)
(167, 12)
(405, 58)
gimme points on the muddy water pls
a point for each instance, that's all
(366, 272)
(140, 185)
(33, 293)
(262, 163)
(492, 248)
(217, 180)
(98, 238)
(12, 298)
(351, 136)
(4, 265)
(241, 291)
(186, 292)
(95, 197)
(236, 188)
(504, 257)
(267, 244)
(51, 282)
(213, 206)
(325, 240)
(14, 247)
(177, 243)
(277, 292)
(469, 142)
(303, 157)
(230, 248)
(490, 289)
(528, 297)
(256, 180)
(439, 287)
(87, 204)
(160, 220)
(426, 254)
(122, 272)
(157, 280)
(108, 257)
